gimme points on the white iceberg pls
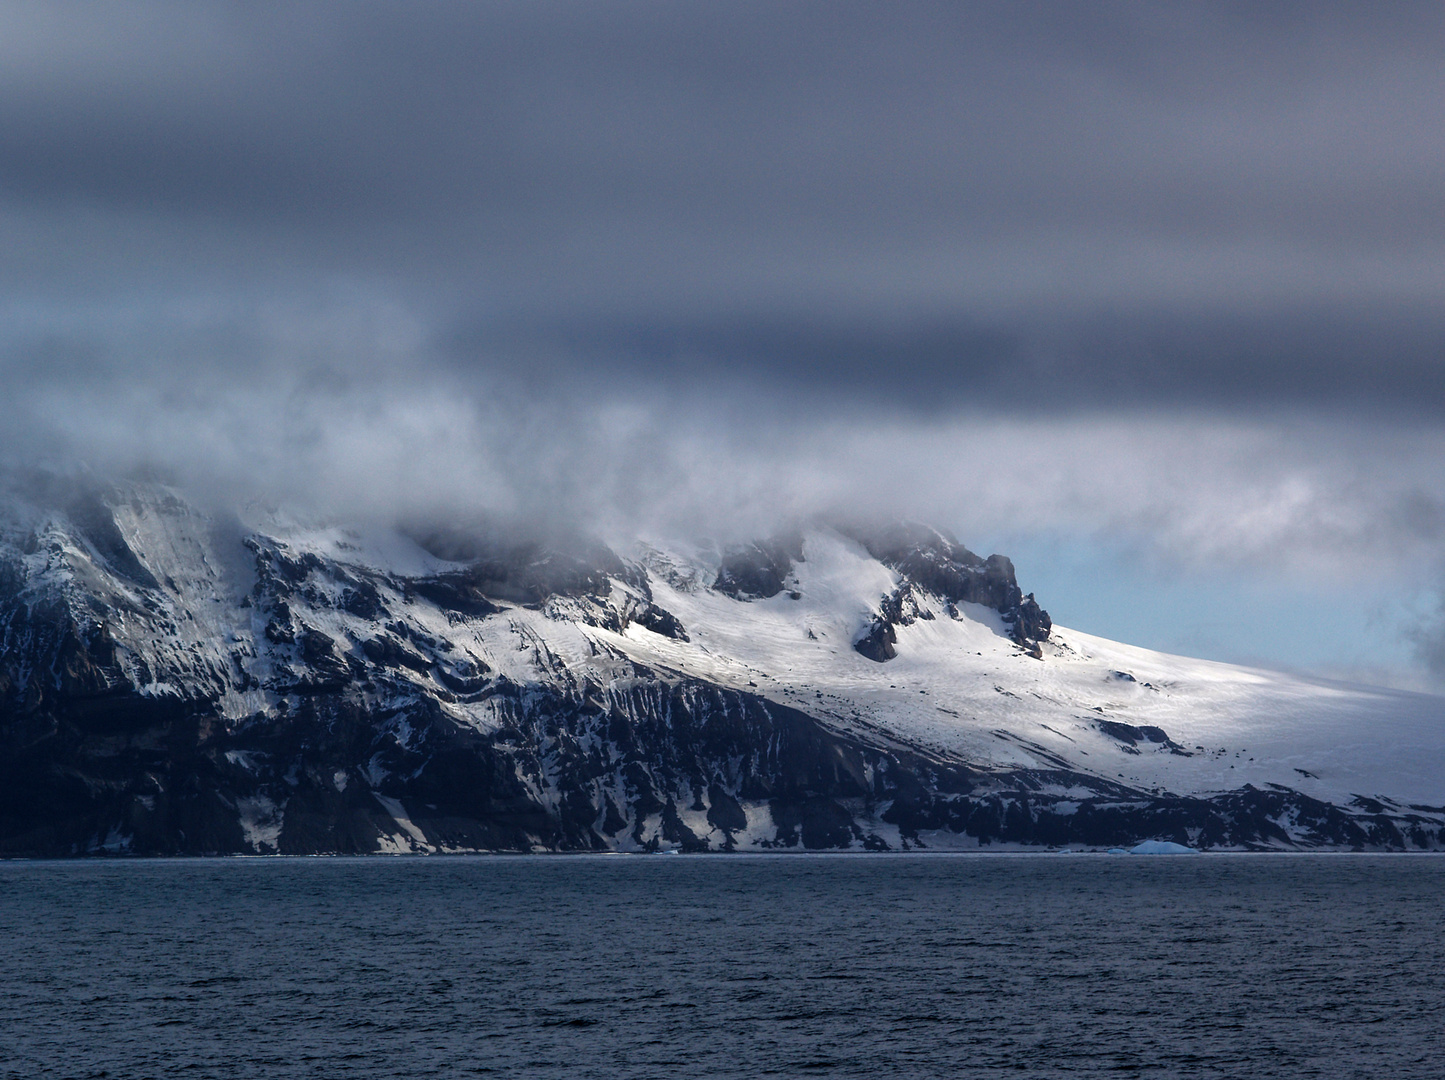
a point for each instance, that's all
(1161, 847)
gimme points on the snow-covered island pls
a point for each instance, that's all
(178, 682)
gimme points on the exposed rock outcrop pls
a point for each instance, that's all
(759, 570)
(934, 562)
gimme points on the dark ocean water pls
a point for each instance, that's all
(881, 966)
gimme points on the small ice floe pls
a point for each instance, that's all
(1161, 847)
(1118, 851)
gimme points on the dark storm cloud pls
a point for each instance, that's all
(1385, 358)
(1167, 274)
(1011, 204)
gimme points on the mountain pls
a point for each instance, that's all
(178, 682)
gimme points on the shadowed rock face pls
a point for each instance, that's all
(899, 608)
(320, 704)
(523, 572)
(759, 570)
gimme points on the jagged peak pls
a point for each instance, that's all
(933, 560)
(924, 558)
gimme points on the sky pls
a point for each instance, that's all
(1147, 296)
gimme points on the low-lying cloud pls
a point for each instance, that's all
(1170, 275)
(1304, 494)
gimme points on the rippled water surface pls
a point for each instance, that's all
(879, 966)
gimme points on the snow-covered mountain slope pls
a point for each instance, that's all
(172, 681)
(961, 686)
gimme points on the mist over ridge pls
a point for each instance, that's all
(1309, 494)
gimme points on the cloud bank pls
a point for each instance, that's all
(1169, 274)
